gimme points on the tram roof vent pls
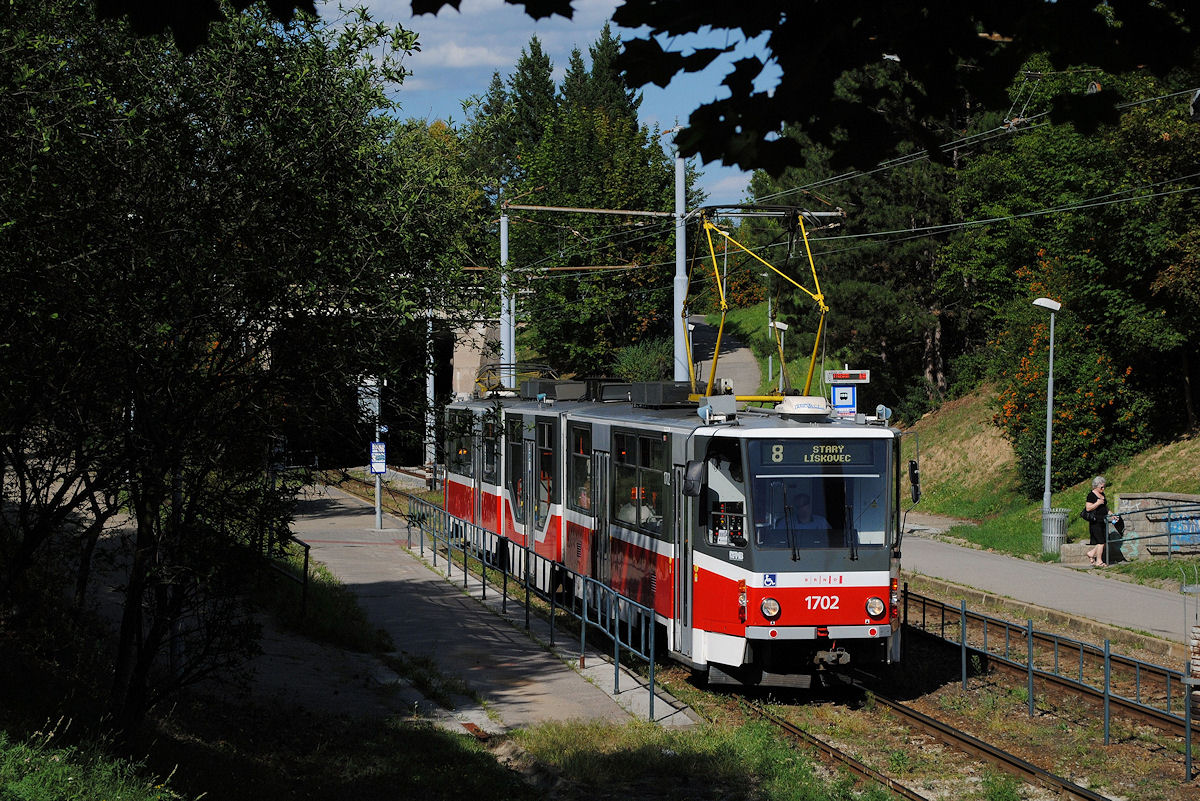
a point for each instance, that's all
(805, 407)
(553, 390)
(660, 393)
(607, 391)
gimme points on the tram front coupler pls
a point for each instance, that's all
(834, 656)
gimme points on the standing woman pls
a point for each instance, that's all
(1096, 502)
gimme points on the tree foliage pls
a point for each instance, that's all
(951, 53)
(203, 254)
(929, 278)
(583, 147)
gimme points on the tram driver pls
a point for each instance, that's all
(798, 516)
(637, 511)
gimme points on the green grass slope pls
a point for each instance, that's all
(968, 470)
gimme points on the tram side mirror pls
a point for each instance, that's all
(914, 479)
(693, 478)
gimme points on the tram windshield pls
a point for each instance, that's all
(819, 493)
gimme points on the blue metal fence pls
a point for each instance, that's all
(1013, 644)
(496, 562)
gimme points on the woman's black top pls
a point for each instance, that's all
(1096, 527)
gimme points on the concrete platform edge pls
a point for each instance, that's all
(1173, 653)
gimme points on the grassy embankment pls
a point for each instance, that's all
(968, 471)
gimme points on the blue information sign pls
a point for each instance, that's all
(844, 400)
(378, 457)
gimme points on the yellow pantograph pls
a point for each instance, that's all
(709, 229)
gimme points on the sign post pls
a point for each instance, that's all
(378, 468)
(843, 395)
(368, 401)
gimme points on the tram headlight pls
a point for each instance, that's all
(876, 607)
(770, 608)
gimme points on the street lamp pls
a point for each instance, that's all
(1053, 306)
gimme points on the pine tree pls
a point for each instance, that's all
(576, 91)
(609, 89)
(489, 137)
(531, 89)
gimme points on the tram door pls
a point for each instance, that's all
(537, 491)
(683, 568)
(477, 472)
(601, 567)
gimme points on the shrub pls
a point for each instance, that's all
(648, 360)
(1099, 419)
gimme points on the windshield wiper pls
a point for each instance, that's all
(852, 532)
(791, 536)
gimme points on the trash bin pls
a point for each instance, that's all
(1054, 530)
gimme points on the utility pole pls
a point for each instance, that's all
(430, 421)
(378, 483)
(770, 319)
(507, 334)
(680, 283)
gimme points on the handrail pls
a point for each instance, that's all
(1175, 686)
(597, 608)
(302, 579)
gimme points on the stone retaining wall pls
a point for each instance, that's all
(1170, 519)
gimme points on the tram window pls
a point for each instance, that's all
(514, 466)
(547, 486)
(726, 501)
(639, 477)
(490, 447)
(459, 441)
(653, 459)
(819, 493)
(579, 469)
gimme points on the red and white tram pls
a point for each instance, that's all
(766, 540)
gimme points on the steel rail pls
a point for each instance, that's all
(835, 754)
(1130, 707)
(1167, 723)
(1010, 763)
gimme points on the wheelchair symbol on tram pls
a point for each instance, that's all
(769, 580)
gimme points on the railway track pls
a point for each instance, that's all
(1138, 690)
(836, 755)
(953, 738)
(989, 754)
(1140, 713)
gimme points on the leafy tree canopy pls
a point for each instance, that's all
(202, 255)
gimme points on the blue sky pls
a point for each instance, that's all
(461, 49)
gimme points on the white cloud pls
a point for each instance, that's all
(453, 55)
(724, 185)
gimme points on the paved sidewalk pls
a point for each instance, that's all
(736, 362)
(521, 679)
(1086, 595)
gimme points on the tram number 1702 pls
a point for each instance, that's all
(822, 601)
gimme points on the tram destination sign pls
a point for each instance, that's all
(847, 376)
(801, 452)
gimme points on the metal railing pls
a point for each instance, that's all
(274, 560)
(495, 562)
(1063, 658)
